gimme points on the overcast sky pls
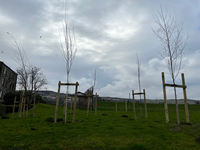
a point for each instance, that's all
(109, 33)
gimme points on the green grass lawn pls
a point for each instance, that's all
(102, 132)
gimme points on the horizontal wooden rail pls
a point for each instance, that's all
(68, 84)
(175, 85)
(138, 93)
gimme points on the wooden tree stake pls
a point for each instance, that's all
(88, 104)
(140, 106)
(24, 105)
(185, 100)
(145, 105)
(71, 105)
(184, 94)
(165, 98)
(96, 104)
(27, 107)
(57, 102)
(116, 106)
(134, 113)
(21, 105)
(64, 107)
(34, 102)
(74, 113)
(14, 106)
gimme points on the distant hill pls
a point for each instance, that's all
(51, 95)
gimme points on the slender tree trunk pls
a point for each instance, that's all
(177, 111)
(66, 98)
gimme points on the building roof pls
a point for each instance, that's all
(8, 67)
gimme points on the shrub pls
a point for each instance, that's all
(39, 99)
(2, 109)
(9, 97)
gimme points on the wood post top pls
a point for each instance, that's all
(138, 93)
(96, 94)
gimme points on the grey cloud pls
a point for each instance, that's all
(109, 34)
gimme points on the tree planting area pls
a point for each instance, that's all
(107, 130)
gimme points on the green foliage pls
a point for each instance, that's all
(38, 98)
(9, 97)
(102, 132)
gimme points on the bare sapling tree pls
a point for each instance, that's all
(68, 47)
(94, 81)
(138, 65)
(173, 42)
(37, 80)
(94, 84)
(18, 54)
(28, 75)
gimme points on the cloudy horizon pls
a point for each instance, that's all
(109, 34)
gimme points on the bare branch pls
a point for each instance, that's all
(138, 65)
(172, 41)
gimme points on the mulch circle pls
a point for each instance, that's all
(125, 116)
(184, 123)
(198, 139)
(104, 114)
(52, 119)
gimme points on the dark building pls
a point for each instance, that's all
(8, 80)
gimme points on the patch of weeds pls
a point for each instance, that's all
(59, 119)
(51, 119)
(184, 123)
(33, 129)
(177, 128)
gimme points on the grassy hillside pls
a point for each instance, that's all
(102, 132)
